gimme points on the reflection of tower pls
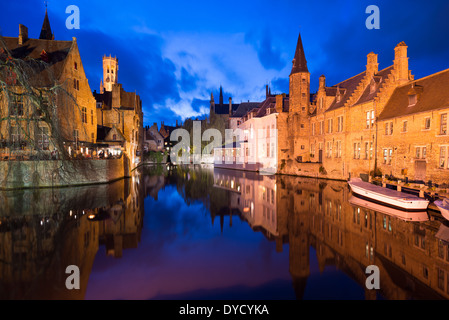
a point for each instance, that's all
(299, 245)
(110, 68)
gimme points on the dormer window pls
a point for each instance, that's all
(338, 96)
(414, 94)
(412, 99)
(372, 87)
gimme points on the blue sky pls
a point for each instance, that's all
(175, 53)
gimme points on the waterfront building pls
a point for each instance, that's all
(48, 103)
(412, 130)
(256, 146)
(153, 140)
(119, 111)
(334, 134)
(379, 121)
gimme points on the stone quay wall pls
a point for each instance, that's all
(61, 173)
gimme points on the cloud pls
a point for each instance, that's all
(269, 56)
(184, 108)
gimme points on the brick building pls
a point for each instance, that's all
(55, 70)
(346, 129)
(120, 111)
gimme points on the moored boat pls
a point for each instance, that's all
(401, 214)
(391, 198)
(443, 206)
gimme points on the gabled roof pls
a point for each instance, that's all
(270, 102)
(434, 95)
(224, 108)
(347, 88)
(102, 132)
(378, 79)
(46, 57)
(105, 133)
(244, 108)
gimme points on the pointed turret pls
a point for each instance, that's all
(299, 61)
(221, 96)
(46, 33)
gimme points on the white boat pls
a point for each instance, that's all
(391, 198)
(443, 205)
(401, 214)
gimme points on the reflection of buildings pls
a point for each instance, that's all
(413, 257)
(44, 231)
(123, 226)
(254, 196)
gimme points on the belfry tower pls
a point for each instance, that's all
(110, 68)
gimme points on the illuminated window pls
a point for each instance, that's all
(427, 123)
(443, 157)
(84, 115)
(330, 125)
(43, 141)
(443, 123)
(369, 119)
(404, 126)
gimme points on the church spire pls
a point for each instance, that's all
(221, 95)
(299, 62)
(46, 33)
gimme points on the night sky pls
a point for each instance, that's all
(174, 53)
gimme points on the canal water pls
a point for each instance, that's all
(199, 233)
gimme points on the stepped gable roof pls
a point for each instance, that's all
(347, 88)
(46, 57)
(378, 78)
(434, 95)
(244, 108)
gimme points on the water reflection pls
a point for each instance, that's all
(345, 232)
(216, 234)
(44, 231)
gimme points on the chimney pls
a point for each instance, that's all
(322, 82)
(372, 67)
(176, 123)
(230, 106)
(23, 34)
(266, 91)
(402, 73)
(280, 103)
